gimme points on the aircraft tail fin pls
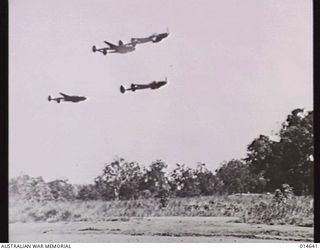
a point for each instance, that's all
(49, 98)
(94, 49)
(122, 89)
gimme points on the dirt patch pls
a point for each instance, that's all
(90, 229)
(158, 229)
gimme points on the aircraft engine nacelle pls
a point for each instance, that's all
(122, 89)
(133, 87)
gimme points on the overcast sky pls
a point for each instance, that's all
(236, 68)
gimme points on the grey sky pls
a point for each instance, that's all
(236, 68)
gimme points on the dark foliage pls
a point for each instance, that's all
(285, 164)
(289, 160)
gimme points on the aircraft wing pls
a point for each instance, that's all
(141, 85)
(130, 44)
(64, 95)
(112, 46)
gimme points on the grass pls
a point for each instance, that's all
(248, 208)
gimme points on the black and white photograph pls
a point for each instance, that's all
(172, 121)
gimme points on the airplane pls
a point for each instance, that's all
(155, 38)
(120, 48)
(67, 98)
(152, 85)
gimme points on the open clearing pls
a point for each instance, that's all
(158, 229)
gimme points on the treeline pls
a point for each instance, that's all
(268, 165)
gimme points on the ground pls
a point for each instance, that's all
(158, 229)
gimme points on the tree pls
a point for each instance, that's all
(289, 160)
(119, 180)
(29, 188)
(297, 150)
(261, 161)
(62, 190)
(184, 182)
(154, 179)
(206, 179)
(234, 177)
(87, 192)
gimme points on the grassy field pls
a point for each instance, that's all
(256, 209)
(234, 218)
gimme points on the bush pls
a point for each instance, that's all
(249, 208)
